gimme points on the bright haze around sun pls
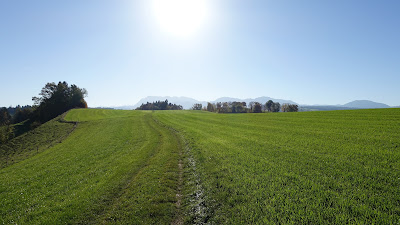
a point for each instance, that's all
(181, 18)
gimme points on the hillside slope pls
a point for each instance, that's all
(35, 141)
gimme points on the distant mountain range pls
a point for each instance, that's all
(187, 103)
(248, 100)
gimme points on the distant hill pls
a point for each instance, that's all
(365, 104)
(357, 104)
(261, 100)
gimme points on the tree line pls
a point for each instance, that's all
(13, 115)
(159, 105)
(53, 100)
(242, 107)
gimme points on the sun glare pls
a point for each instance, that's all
(181, 18)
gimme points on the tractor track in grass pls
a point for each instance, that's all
(179, 217)
(164, 134)
(105, 215)
(191, 198)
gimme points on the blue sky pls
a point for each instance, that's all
(311, 52)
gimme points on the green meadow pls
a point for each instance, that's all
(193, 167)
(291, 168)
(116, 166)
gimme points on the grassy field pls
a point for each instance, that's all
(170, 167)
(117, 166)
(312, 167)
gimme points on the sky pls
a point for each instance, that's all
(309, 51)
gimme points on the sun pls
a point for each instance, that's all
(181, 18)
